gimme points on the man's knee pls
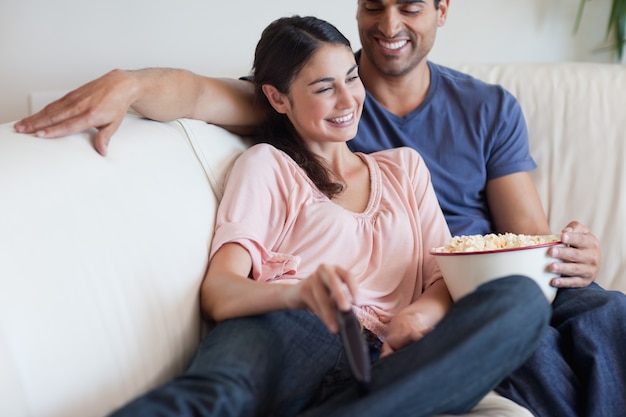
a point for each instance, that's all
(593, 303)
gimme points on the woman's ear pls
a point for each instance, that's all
(277, 99)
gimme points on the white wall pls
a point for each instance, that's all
(60, 44)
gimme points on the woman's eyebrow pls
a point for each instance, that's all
(322, 80)
(330, 79)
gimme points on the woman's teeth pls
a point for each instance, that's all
(343, 119)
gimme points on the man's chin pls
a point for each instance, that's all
(394, 70)
(396, 66)
(391, 65)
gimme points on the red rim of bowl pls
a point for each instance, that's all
(477, 252)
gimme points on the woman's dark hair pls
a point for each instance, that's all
(285, 47)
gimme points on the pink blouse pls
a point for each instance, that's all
(272, 209)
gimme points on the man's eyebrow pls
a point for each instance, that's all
(329, 79)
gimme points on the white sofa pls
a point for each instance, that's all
(101, 258)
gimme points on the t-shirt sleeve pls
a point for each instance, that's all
(510, 151)
(253, 211)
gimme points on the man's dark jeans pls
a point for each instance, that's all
(579, 368)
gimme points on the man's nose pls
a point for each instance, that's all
(390, 22)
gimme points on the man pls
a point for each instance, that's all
(459, 126)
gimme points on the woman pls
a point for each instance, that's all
(306, 227)
(314, 111)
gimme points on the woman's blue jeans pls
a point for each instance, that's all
(286, 363)
(579, 367)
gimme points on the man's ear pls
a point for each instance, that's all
(277, 99)
(443, 12)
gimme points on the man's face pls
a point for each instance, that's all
(398, 34)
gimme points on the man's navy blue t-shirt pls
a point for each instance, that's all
(467, 131)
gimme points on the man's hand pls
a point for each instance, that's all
(581, 257)
(101, 103)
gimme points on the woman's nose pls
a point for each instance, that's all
(344, 98)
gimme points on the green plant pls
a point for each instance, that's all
(616, 25)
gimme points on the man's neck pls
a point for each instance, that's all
(398, 94)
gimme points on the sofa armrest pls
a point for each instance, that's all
(101, 262)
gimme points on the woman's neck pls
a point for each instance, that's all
(352, 171)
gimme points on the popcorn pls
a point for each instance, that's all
(480, 243)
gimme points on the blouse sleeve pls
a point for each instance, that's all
(253, 210)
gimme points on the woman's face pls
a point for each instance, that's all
(326, 97)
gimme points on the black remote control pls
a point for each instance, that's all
(355, 346)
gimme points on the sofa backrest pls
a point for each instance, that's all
(576, 116)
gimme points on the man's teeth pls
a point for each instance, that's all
(393, 45)
(343, 119)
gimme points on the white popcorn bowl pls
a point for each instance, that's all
(463, 272)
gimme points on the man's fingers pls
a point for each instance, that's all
(101, 143)
(65, 127)
(104, 136)
(54, 114)
(576, 227)
(569, 282)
